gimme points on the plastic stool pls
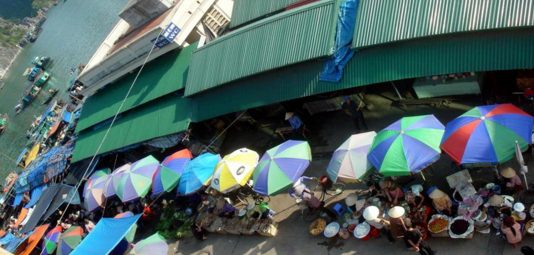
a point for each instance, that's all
(339, 209)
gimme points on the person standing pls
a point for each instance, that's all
(414, 241)
(354, 111)
(296, 124)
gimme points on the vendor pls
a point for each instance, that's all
(397, 221)
(392, 192)
(371, 216)
(419, 211)
(440, 200)
(511, 181)
(355, 205)
(512, 231)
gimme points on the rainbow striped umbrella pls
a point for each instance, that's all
(136, 182)
(198, 173)
(487, 134)
(93, 191)
(168, 175)
(50, 241)
(69, 240)
(153, 245)
(234, 170)
(281, 166)
(407, 146)
(113, 180)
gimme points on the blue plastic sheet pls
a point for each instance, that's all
(333, 69)
(36, 194)
(6, 239)
(17, 200)
(106, 235)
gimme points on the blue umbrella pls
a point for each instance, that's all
(198, 173)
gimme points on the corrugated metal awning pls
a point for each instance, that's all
(465, 52)
(169, 115)
(160, 77)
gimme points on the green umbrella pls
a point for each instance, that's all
(153, 245)
(281, 166)
(407, 146)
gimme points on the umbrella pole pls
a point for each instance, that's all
(526, 184)
(422, 176)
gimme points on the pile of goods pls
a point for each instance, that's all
(438, 225)
(317, 227)
(461, 227)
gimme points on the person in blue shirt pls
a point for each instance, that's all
(296, 123)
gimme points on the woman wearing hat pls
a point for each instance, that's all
(511, 182)
(397, 221)
(371, 214)
(440, 200)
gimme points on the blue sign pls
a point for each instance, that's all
(168, 35)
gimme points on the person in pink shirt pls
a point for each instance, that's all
(511, 181)
(512, 231)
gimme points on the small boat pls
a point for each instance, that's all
(41, 62)
(3, 123)
(42, 80)
(51, 94)
(34, 73)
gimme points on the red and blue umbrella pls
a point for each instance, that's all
(198, 173)
(172, 168)
(487, 134)
(407, 146)
(281, 166)
(69, 240)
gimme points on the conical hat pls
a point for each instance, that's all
(371, 213)
(288, 115)
(437, 193)
(396, 212)
(496, 200)
(508, 172)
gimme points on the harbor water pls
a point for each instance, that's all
(72, 32)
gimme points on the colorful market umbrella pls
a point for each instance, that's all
(198, 173)
(349, 162)
(234, 170)
(131, 234)
(153, 245)
(69, 239)
(407, 146)
(168, 175)
(113, 180)
(136, 182)
(487, 134)
(93, 192)
(281, 166)
(50, 241)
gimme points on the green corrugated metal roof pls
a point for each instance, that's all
(161, 76)
(465, 52)
(247, 10)
(169, 115)
(383, 21)
(291, 37)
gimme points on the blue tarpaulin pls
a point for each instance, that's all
(67, 117)
(107, 234)
(18, 199)
(36, 194)
(22, 185)
(6, 239)
(333, 69)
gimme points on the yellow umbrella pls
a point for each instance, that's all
(234, 170)
(32, 155)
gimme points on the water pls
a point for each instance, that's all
(15, 9)
(73, 31)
